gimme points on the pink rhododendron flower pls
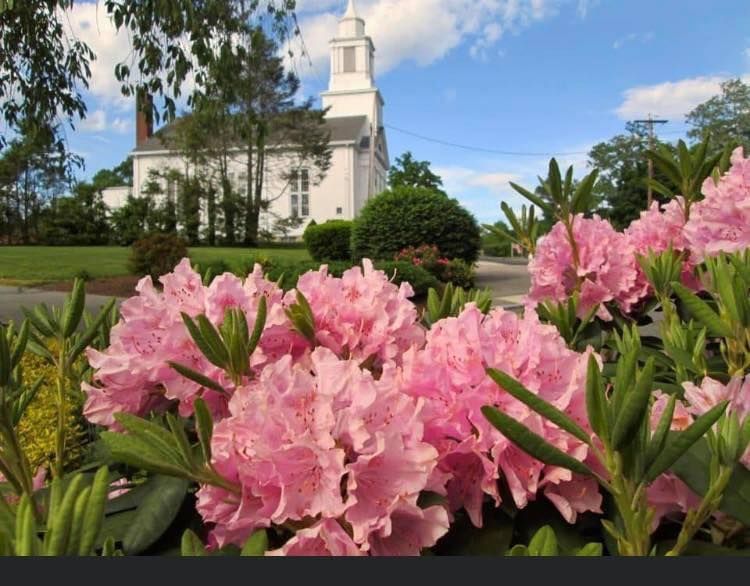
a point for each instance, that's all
(362, 314)
(721, 222)
(132, 374)
(606, 270)
(658, 228)
(711, 392)
(322, 438)
(449, 375)
(326, 538)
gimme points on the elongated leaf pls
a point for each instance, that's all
(659, 437)
(94, 517)
(205, 427)
(140, 454)
(155, 514)
(533, 198)
(681, 442)
(256, 544)
(79, 512)
(215, 356)
(260, 323)
(591, 550)
(693, 470)
(26, 539)
(74, 308)
(701, 311)
(544, 543)
(635, 406)
(596, 402)
(58, 534)
(19, 344)
(197, 377)
(91, 332)
(546, 410)
(160, 440)
(531, 443)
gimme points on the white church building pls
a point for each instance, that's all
(359, 151)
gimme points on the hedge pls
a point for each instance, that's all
(329, 241)
(411, 216)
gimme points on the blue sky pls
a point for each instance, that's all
(530, 76)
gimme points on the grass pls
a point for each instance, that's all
(34, 265)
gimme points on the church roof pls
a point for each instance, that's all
(342, 129)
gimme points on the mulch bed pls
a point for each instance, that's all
(123, 286)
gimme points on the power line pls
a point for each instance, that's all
(482, 149)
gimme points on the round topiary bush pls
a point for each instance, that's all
(330, 240)
(411, 216)
(156, 254)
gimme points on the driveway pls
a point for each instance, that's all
(508, 280)
(13, 298)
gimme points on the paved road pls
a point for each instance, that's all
(508, 282)
(13, 298)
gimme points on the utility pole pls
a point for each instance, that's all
(650, 123)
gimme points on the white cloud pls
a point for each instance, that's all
(672, 99)
(94, 122)
(633, 38)
(97, 121)
(89, 23)
(422, 31)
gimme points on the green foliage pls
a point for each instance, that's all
(408, 172)
(524, 231)
(412, 216)
(458, 272)
(156, 254)
(452, 302)
(724, 117)
(329, 241)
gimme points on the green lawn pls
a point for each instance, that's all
(42, 264)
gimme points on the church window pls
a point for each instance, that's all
(300, 193)
(350, 60)
(339, 211)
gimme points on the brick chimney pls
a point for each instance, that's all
(144, 122)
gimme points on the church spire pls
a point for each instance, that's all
(351, 11)
(351, 25)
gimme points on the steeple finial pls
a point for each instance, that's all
(351, 11)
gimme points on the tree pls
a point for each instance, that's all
(35, 168)
(177, 37)
(725, 117)
(408, 172)
(623, 171)
(259, 98)
(80, 219)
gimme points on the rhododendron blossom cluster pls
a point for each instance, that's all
(325, 441)
(449, 374)
(721, 222)
(602, 267)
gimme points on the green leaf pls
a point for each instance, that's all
(139, 453)
(216, 356)
(546, 410)
(518, 551)
(634, 409)
(544, 543)
(260, 322)
(155, 514)
(702, 312)
(256, 545)
(659, 437)
(94, 517)
(596, 401)
(533, 198)
(79, 511)
(680, 442)
(191, 545)
(591, 550)
(205, 427)
(60, 525)
(531, 443)
(91, 332)
(197, 377)
(27, 543)
(693, 469)
(74, 308)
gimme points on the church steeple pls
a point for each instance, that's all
(352, 90)
(352, 54)
(351, 25)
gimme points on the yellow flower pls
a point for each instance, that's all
(36, 430)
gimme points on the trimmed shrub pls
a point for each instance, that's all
(419, 279)
(330, 240)
(412, 216)
(460, 273)
(156, 254)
